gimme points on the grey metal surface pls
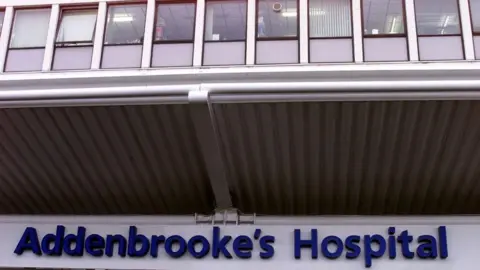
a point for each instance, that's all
(294, 158)
(417, 157)
(101, 160)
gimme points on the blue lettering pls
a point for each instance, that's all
(220, 244)
(312, 243)
(78, 240)
(156, 240)
(182, 246)
(351, 243)
(110, 245)
(369, 252)
(242, 246)
(267, 247)
(205, 246)
(338, 247)
(56, 240)
(392, 248)
(29, 241)
(404, 239)
(94, 245)
(427, 247)
(133, 240)
(442, 239)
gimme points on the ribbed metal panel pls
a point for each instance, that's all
(101, 160)
(353, 157)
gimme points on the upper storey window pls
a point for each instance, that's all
(28, 40)
(383, 17)
(77, 27)
(174, 33)
(2, 17)
(277, 32)
(384, 27)
(125, 24)
(74, 41)
(175, 22)
(330, 31)
(475, 14)
(225, 32)
(438, 29)
(24, 22)
(124, 36)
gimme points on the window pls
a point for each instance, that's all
(2, 16)
(174, 22)
(277, 19)
(77, 27)
(30, 28)
(125, 24)
(437, 17)
(475, 13)
(330, 18)
(383, 17)
(225, 20)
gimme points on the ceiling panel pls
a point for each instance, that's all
(353, 157)
(101, 160)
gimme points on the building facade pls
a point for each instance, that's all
(185, 134)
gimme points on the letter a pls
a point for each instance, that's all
(29, 241)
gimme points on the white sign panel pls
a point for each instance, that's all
(205, 247)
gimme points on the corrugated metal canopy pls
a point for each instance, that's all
(376, 157)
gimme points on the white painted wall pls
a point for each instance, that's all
(462, 237)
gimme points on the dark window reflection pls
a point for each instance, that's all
(175, 22)
(125, 24)
(437, 17)
(225, 20)
(383, 17)
(277, 19)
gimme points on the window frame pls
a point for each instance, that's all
(460, 34)
(79, 43)
(232, 40)
(12, 26)
(296, 37)
(474, 33)
(174, 41)
(404, 22)
(342, 37)
(106, 23)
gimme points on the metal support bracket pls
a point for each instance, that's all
(202, 115)
(225, 217)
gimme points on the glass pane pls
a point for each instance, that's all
(330, 18)
(437, 17)
(2, 16)
(175, 21)
(77, 26)
(226, 20)
(383, 17)
(30, 28)
(475, 10)
(125, 24)
(277, 18)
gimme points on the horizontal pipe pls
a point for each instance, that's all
(246, 71)
(276, 87)
(93, 102)
(339, 97)
(102, 92)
